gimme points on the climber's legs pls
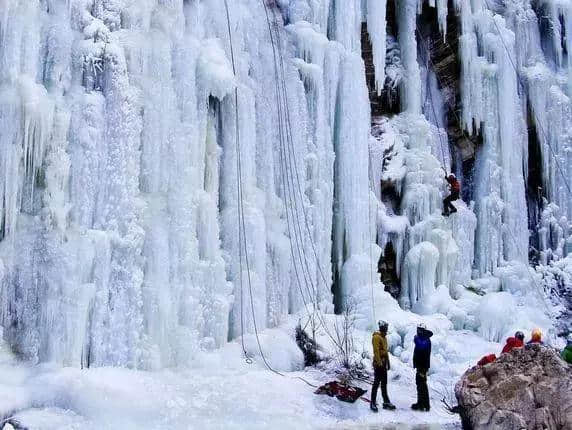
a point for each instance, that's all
(448, 207)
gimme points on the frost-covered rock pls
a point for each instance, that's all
(528, 388)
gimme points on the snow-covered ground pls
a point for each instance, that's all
(221, 390)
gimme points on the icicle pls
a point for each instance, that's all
(376, 27)
(347, 19)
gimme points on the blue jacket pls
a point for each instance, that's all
(422, 351)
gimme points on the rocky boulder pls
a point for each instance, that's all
(528, 388)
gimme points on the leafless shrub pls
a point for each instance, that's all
(344, 335)
(446, 393)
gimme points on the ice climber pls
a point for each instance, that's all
(448, 207)
(536, 337)
(567, 352)
(422, 362)
(380, 366)
(514, 342)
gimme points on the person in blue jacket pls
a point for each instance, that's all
(422, 362)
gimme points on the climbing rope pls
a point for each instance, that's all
(430, 94)
(238, 185)
(291, 147)
(241, 223)
(291, 159)
(287, 186)
(370, 245)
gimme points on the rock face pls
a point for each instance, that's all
(528, 388)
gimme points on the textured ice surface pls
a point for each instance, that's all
(124, 240)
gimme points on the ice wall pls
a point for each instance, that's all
(507, 68)
(159, 195)
(119, 153)
(504, 61)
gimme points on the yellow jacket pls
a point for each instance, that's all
(380, 350)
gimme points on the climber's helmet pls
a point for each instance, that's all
(383, 326)
(421, 328)
(519, 335)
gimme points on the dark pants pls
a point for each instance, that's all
(448, 206)
(422, 389)
(380, 378)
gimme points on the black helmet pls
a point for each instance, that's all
(519, 335)
(383, 325)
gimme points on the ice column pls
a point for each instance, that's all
(411, 84)
(351, 241)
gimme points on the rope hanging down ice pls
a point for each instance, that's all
(238, 186)
(431, 102)
(292, 180)
(241, 223)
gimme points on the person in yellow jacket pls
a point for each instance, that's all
(380, 366)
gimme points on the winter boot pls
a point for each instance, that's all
(389, 406)
(416, 406)
(373, 407)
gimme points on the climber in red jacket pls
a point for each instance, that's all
(514, 342)
(448, 207)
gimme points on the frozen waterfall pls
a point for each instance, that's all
(137, 227)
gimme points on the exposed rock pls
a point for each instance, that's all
(387, 269)
(309, 347)
(528, 388)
